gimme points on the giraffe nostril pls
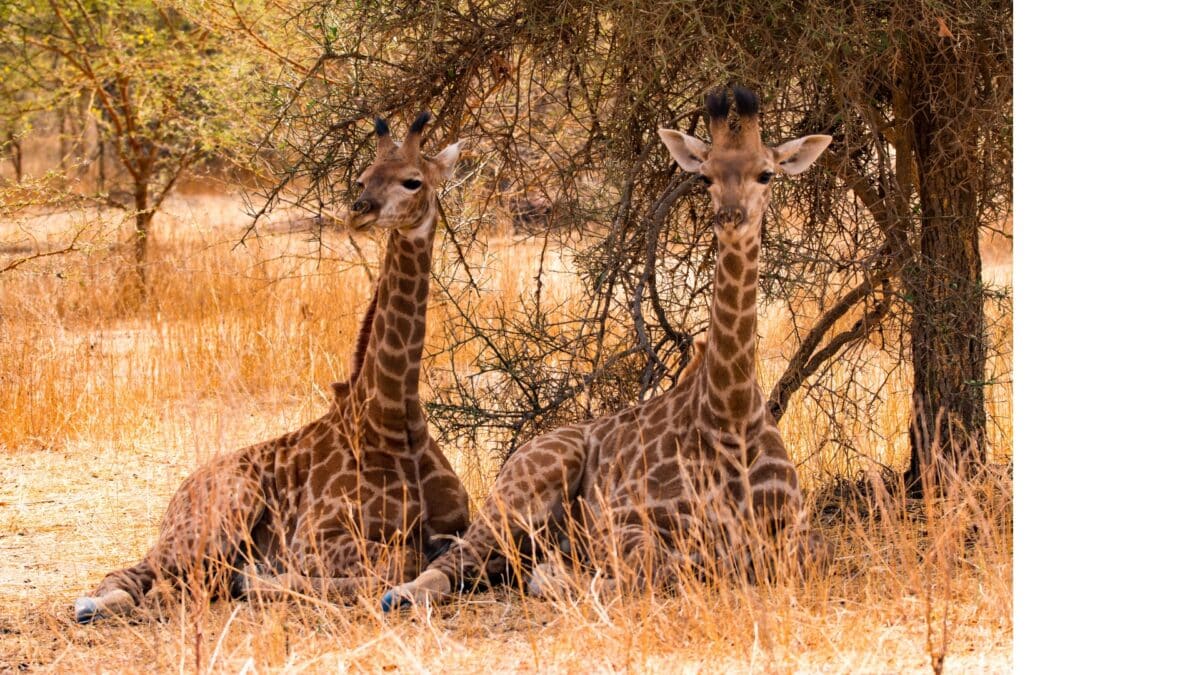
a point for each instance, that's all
(362, 206)
(730, 215)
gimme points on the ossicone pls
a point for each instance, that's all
(717, 105)
(738, 116)
(746, 101)
(418, 124)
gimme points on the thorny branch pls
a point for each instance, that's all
(558, 109)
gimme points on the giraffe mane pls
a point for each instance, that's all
(364, 336)
(693, 365)
(360, 347)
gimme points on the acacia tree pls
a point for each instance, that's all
(155, 86)
(559, 105)
(932, 84)
(957, 89)
(14, 121)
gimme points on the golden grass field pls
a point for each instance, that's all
(104, 409)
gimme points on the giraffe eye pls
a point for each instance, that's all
(411, 184)
(765, 177)
(706, 180)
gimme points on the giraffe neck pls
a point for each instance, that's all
(389, 379)
(731, 387)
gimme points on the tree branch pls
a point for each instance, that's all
(807, 359)
(69, 248)
(800, 365)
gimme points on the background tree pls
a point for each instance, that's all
(14, 120)
(161, 92)
(875, 251)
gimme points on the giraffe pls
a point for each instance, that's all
(360, 495)
(702, 463)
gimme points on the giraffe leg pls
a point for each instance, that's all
(640, 558)
(119, 593)
(445, 505)
(646, 558)
(778, 509)
(550, 580)
(204, 529)
(341, 575)
(530, 492)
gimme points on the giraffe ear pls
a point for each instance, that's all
(797, 155)
(688, 152)
(446, 159)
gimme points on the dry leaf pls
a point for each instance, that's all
(943, 29)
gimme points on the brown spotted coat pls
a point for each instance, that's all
(700, 470)
(360, 495)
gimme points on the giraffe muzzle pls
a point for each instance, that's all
(363, 213)
(729, 217)
(364, 206)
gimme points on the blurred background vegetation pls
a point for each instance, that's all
(872, 260)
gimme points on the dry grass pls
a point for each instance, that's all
(106, 408)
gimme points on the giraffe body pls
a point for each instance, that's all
(698, 471)
(361, 495)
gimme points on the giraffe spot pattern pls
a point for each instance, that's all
(692, 465)
(355, 493)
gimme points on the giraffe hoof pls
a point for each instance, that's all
(239, 585)
(86, 610)
(429, 588)
(394, 599)
(90, 609)
(547, 580)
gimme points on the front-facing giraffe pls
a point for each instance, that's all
(701, 467)
(359, 495)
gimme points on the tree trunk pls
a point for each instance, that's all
(99, 162)
(141, 234)
(14, 148)
(64, 151)
(947, 433)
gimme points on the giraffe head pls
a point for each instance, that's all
(737, 167)
(400, 187)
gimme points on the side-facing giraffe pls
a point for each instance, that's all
(701, 464)
(358, 496)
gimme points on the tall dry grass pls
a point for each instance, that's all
(107, 404)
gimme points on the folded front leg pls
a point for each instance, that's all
(532, 490)
(204, 531)
(348, 568)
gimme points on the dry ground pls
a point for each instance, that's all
(104, 409)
